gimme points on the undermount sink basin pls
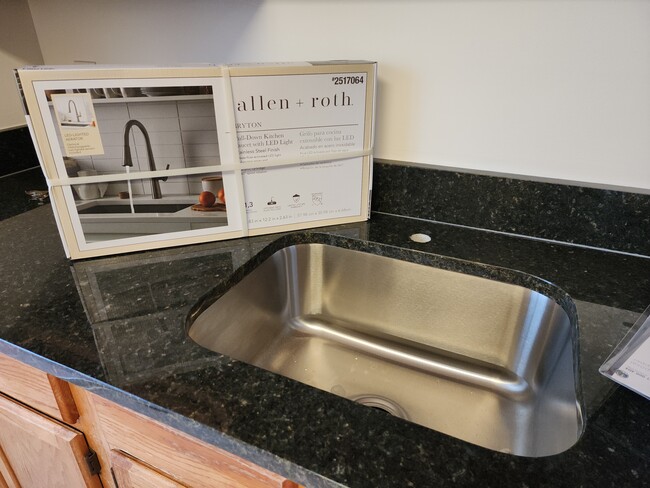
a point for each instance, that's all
(488, 362)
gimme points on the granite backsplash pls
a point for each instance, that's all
(606, 219)
(19, 173)
(17, 151)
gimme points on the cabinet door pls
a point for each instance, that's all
(40, 451)
(131, 473)
(7, 477)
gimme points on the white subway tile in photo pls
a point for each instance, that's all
(158, 138)
(201, 150)
(198, 123)
(161, 151)
(111, 125)
(152, 110)
(112, 139)
(158, 125)
(199, 137)
(113, 111)
(109, 165)
(168, 188)
(111, 152)
(197, 108)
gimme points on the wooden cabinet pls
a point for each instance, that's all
(131, 473)
(8, 478)
(39, 451)
(183, 459)
(37, 389)
(46, 446)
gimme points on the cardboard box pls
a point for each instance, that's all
(127, 151)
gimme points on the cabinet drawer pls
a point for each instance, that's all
(37, 389)
(184, 459)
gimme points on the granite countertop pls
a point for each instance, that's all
(116, 326)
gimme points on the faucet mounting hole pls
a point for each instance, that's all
(420, 238)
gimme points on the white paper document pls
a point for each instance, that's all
(629, 364)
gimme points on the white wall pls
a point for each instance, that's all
(18, 47)
(543, 88)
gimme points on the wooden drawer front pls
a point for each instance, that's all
(184, 459)
(28, 385)
(37, 389)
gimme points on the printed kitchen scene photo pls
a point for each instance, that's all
(118, 130)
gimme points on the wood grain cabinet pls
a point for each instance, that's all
(132, 473)
(40, 443)
(182, 459)
(54, 434)
(39, 451)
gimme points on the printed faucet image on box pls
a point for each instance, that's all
(140, 157)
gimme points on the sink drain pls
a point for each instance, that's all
(382, 403)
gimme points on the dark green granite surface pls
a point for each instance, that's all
(116, 326)
(17, 150)
(13, 199)
(595, 217)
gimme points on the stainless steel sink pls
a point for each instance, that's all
(488, 362)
